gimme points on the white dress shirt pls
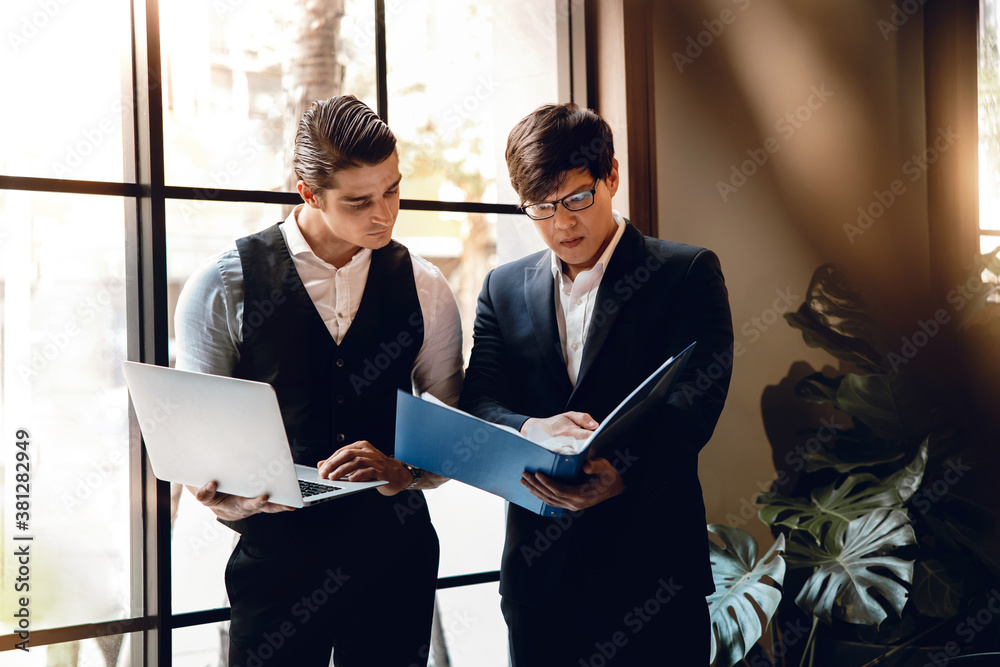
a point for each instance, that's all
(209, 318)
(575, 301)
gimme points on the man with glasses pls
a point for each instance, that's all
(562, 337)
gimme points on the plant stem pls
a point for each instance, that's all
(896, 649)
(810, 644)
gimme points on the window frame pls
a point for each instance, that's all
(144, 194)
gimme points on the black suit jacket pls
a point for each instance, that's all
(656, 297)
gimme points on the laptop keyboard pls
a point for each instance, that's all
(312, 488)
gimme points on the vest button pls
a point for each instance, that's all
(340, 437)
(340, 399)
(340, 363)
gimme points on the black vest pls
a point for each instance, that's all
(331, 395)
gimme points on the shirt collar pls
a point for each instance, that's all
(602, 263)
(298, 246)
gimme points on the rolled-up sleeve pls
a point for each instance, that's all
(207, 318)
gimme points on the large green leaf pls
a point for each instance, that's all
(856, 352)
(843, 582)
(937, 589)
(892, 406)
(907, 480)
(834, 303)
(835, 318)
(852, 449)
(739, 585)
(837, 504)
(830, 507)
(818, 388)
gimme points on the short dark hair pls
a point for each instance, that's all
(552, 140)
(338, 133)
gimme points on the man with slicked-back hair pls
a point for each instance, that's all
(563, 336)
(337, 316)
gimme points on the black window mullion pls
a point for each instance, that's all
(381, 63)
(147, 327)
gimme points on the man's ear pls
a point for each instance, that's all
(307, 195)
(613, 178)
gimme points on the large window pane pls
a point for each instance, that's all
(62, 113)
(989, 118)
(101, 651)
(200, 546)
(62, 342)
(473, 627)
(201, 645)
(239, 75)
(461, 74)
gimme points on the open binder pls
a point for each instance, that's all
(491, 457)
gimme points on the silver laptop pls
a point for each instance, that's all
(199, 428)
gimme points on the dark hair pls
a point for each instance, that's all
(335, 134)
(552, 140)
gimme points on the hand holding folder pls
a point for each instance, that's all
(449, 442)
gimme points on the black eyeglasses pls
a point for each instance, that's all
(577, 202)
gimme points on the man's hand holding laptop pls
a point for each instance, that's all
(233, 508)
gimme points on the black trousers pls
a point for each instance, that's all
(293, 604)
(658, 624)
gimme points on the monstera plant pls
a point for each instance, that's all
(742, 583)
(881, 545)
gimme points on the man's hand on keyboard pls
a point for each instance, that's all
(361, 462)
(233, 508)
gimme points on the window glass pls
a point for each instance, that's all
(198, 230)
(201, 645)
(989, 121)
(473, 627)
(62, 343)
(238, 76)
(62, 112)
(100, 651)
(461, 74)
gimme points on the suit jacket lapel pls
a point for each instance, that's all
(539, 296)
(609, 300)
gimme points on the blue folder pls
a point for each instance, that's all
(449, 442)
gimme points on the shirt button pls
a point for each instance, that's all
(575, 346)
(340, 363)
(340, 315)
(340, 399)
(579, 302)
(340, 437)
